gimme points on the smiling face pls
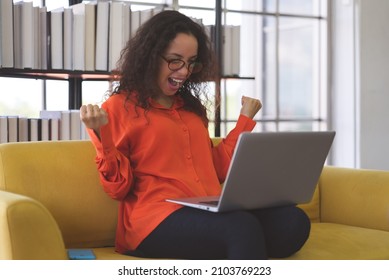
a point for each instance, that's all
(183, 47)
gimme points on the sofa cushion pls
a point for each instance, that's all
(62, 173)
(355, 197)
(329, 241)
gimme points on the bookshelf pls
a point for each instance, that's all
(76, 77)
(54, 74)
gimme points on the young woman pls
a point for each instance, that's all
(152, 143)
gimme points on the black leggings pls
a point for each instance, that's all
(191, 233)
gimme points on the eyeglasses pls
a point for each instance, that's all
(177, 64)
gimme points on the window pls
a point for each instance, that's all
(20, 97)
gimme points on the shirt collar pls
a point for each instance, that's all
(178, 102)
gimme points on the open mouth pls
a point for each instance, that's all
(175, 82)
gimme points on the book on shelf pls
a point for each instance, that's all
(36, 38)
(3, 129)
(9, 129)
(6, 34)
(145, 15)
(43, 39)
(102, 37)
(139, 17)
(68, 39)
(75, 125)
(135, 22)
(235, 64)
(64, 125)
(13, 123)
(27, 38)
(54, 129)
(45, 129)
(34, 129)
(84, 36)
(23, 129)
(227, 50)
(79, 36)
(84, 132)
(126, 24)
(17, 43)
(231, 50)
(90, 35)
(56, 38)
(115, 33)
(123, 23)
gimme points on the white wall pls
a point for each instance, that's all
(342, 88)
(360, 83)
(374, 83)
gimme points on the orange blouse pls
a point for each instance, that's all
(143, 159)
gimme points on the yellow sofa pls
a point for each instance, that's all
(51, 200)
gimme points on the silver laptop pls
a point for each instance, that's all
(269, 169)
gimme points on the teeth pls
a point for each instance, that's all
(177, 81)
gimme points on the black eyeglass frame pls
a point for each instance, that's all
(191, 65)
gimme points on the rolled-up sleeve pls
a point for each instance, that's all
(113, 166)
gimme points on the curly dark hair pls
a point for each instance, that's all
(138, 65)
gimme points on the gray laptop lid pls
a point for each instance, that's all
(275, 168)
(269, 169)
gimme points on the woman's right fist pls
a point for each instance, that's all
(93, 116)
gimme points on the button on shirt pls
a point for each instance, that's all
(144, 158)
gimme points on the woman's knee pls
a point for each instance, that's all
(243, 236)
(286, 230)
(299, 230)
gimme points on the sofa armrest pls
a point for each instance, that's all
(356, 197)
(27, 230)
